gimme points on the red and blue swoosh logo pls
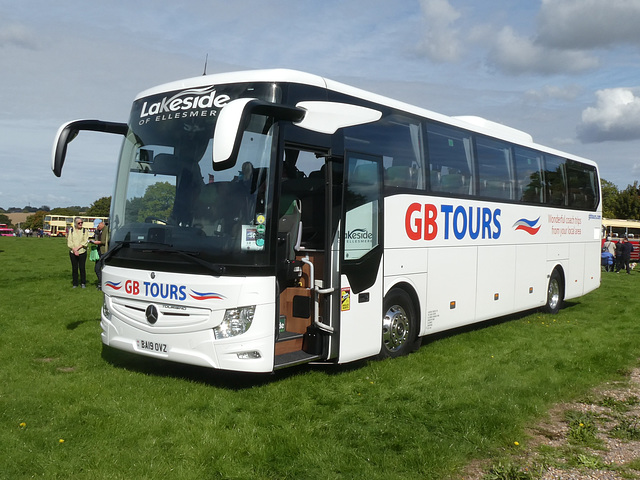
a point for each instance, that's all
(529, 226)
(114, 285)
(205, 295)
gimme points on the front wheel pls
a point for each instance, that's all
(399, 325)
(555, 293)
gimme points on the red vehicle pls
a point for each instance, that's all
(5, 231)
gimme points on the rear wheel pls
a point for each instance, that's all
(555, 293)
(399, 325)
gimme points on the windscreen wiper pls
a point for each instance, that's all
(113, 250)
(127, 243)
(155, 247)
(193, 256)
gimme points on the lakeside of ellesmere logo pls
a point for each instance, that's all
(529, 226)
(191, 99)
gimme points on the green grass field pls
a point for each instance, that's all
(70, 408)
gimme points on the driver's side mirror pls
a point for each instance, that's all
(69, 131)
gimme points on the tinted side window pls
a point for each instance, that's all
(583, 185)
(528, 174)
(398, 140)
(494, 169)
(555, 180)
(450, 160)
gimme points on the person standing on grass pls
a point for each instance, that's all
(611, 248)
(100, 240)
(619, 256)
(626, 252)
(77, 241)
(623, 253)
(607, 260)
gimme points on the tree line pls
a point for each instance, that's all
(616, 203)
(623, 204)
(99, 208)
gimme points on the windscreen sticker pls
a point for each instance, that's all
(252, 237)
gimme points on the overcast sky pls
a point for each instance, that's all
(565, 71)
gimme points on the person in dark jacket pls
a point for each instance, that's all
(625, 255)
(101, 241)
(618, 255)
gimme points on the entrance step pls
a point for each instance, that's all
(286, 336)
(288, 342)
(293, 358)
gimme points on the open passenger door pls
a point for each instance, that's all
(305, 292)
(361, 285)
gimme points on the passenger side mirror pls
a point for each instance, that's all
(233, 120)
(318, 116)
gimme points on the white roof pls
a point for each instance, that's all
(473, 123)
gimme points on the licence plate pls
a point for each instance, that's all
(151, 346)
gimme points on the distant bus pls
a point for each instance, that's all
(5, 231)
(58, 226)
(618, 228)
(270, 218)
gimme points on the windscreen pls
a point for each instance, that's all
(169, 200)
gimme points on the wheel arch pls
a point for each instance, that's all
(555, 295)
(560, 269)
(410, 290)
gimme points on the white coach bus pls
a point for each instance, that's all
(264, 219)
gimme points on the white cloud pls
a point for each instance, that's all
(516, 54)
(587, 24)
(441, 41)
(553, 92)
(570, 37)
(616, 116)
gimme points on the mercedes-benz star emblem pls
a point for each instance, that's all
(152, 314)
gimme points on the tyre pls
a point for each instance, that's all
(555, 293)
(399, 325)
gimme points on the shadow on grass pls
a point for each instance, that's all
(426, 340)
(241, 380)
(193, 373)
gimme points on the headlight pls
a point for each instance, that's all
(235, 322)
(105, 309)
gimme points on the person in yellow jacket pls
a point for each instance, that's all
(77, 241)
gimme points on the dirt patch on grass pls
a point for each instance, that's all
(597, 438)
